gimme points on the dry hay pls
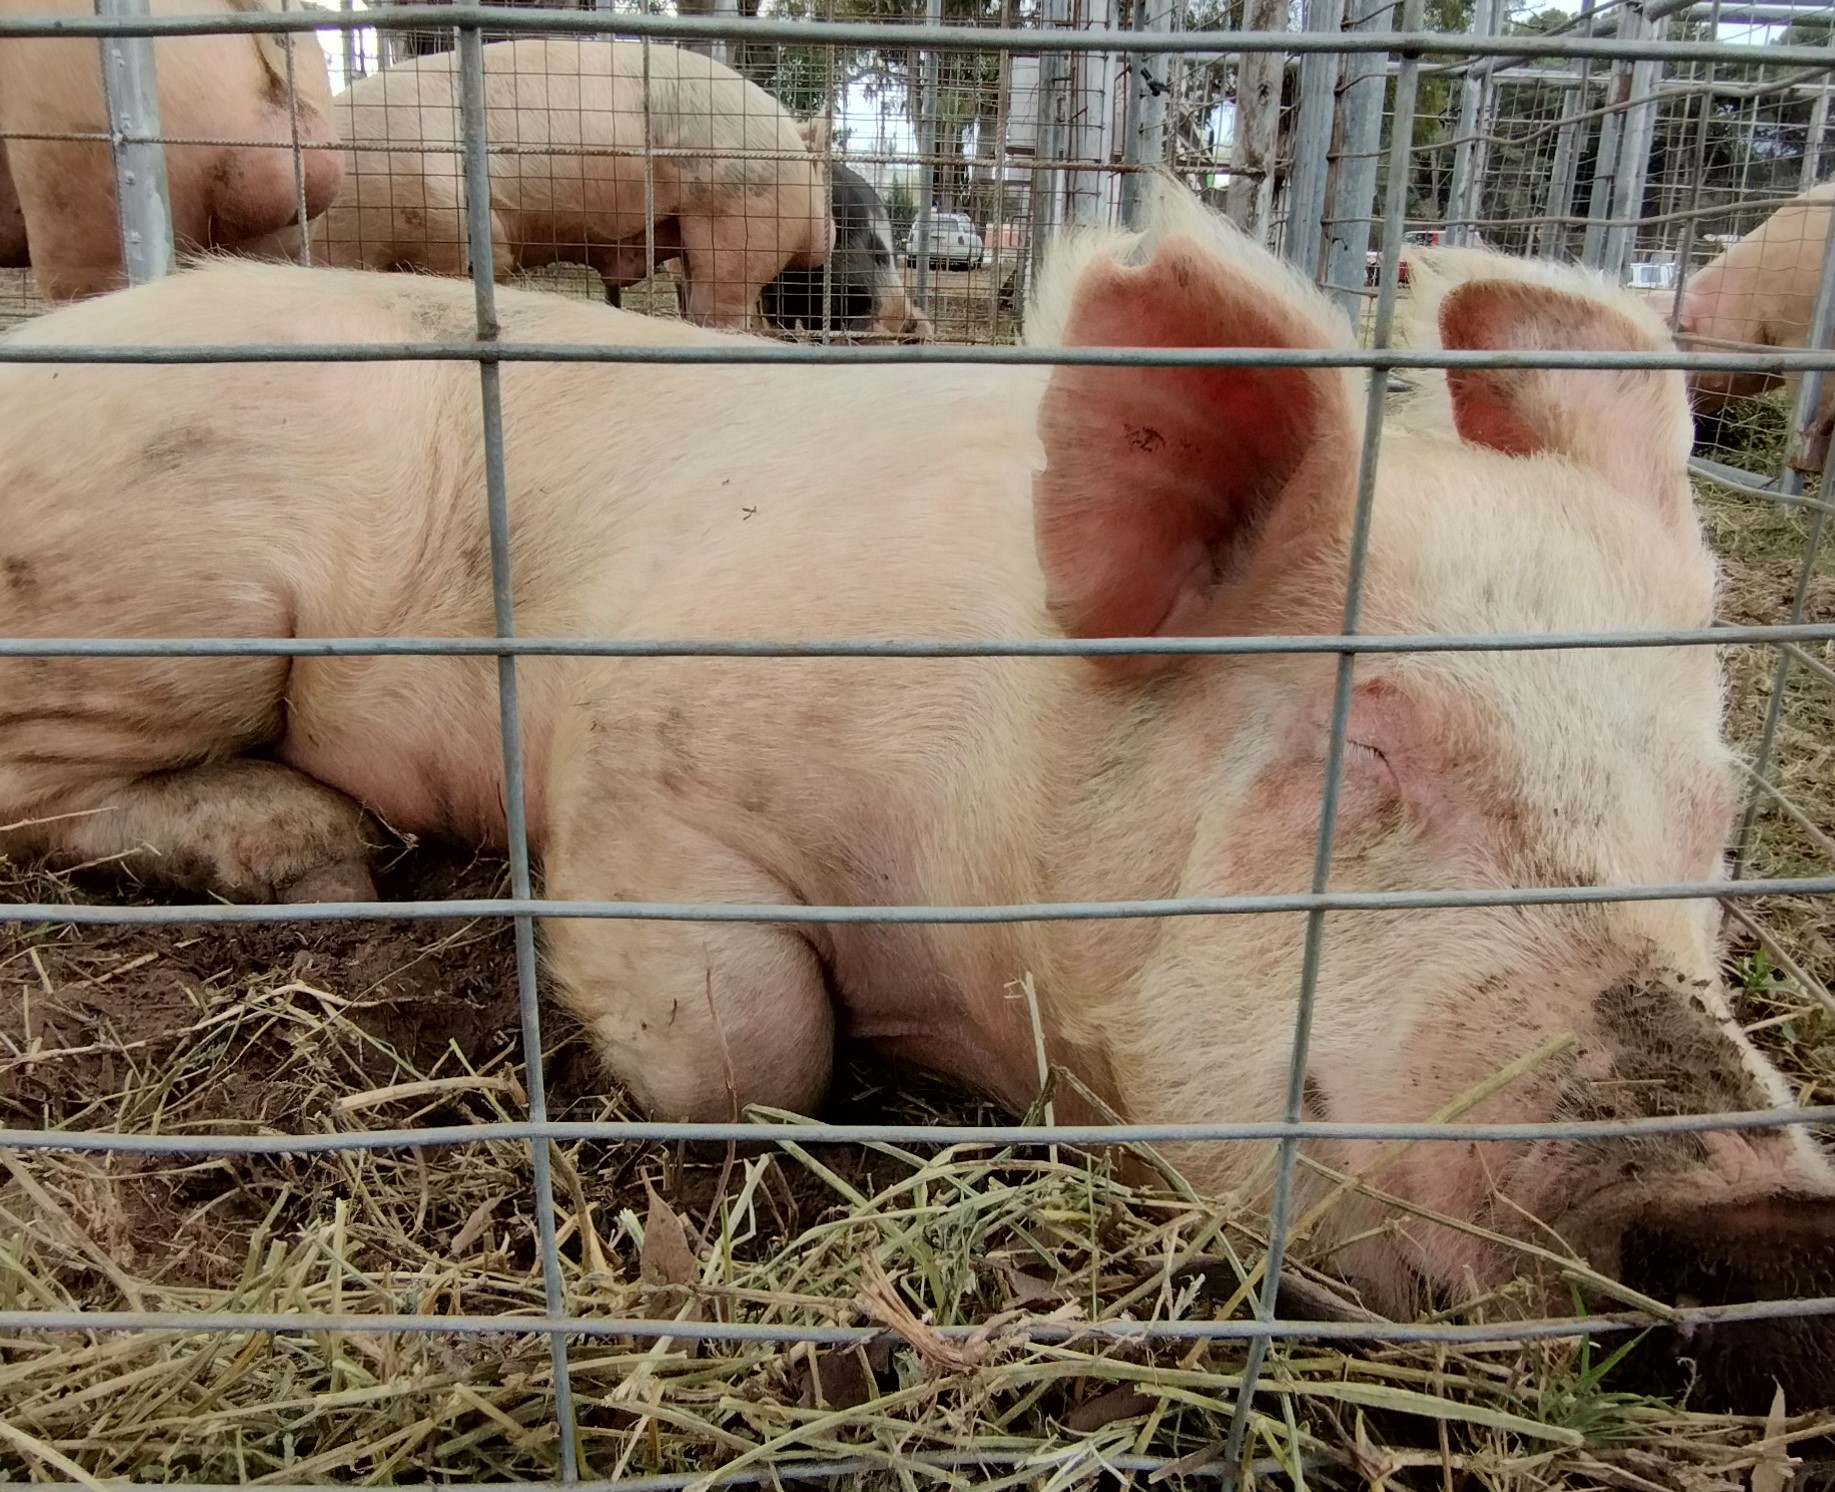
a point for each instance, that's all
(340, 1028)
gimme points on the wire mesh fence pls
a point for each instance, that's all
(1387, 1114)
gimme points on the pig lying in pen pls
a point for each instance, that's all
(1082, 502)
(574, 187)
(1762, 291)
(863, 282)
(228, 89)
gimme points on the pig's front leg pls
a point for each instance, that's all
(698, 1020)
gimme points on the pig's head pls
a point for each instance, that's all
(1220, 501)
(1715, 313)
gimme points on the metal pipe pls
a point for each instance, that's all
(930, 135)
(1812, 141)
(938, 37)
(1466, 190)
(83, 915)
(142, 206)
(1144, 143)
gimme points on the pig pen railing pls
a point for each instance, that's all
(538, 1131)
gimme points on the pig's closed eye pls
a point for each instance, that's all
(1366, 768)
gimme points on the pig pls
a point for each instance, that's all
(1762, 291)
(734, 222)
(226, 88)
(865, 284)
(1052, 502)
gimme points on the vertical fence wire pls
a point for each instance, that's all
(1294, 1108)
(479, 247)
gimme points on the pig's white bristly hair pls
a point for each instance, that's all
(1170, 209)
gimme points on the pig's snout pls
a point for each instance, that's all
(1776, 1248)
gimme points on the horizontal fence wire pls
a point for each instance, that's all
(743, 353)
(1779, 633)
(458, 908)
(100, 1142)
(599, 1328)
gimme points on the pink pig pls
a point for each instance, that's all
(1762, 291)
(1082, 502)
(226, 89)
(738, 189)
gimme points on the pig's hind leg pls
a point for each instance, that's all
(138, 767)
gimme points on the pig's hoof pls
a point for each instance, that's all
(347, 882)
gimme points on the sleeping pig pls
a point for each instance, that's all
(1080, 502)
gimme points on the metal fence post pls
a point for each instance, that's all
(143, 211)
(1551, 234)
(353, 62)
(1471, 147)
(1607, 159)
(1360, 134)
(1049, 136)
(1312, 141)
(929, 142)
(1145, 143)
(1812, 140)
(1634, 148)
(1090, 118)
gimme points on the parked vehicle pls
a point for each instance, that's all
(954, 243)
(1650, 276)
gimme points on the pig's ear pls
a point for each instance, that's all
(1160, 485)
(1631, 425)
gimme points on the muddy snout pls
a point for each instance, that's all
(1771, 1249)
